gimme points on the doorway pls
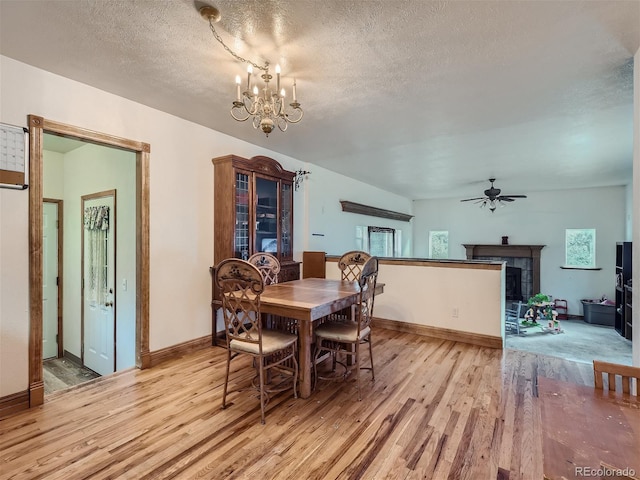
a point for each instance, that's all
(138, 283)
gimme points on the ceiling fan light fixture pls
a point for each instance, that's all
(493, 197)
(266, 107)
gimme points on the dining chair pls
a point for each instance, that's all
(268, 265)
(347, 337)
(613, 370)
(351, 264)
(241, 284)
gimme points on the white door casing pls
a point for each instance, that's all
(98, 288)
(49, 280)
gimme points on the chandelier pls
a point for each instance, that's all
(266, 107)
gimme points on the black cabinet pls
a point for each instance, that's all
(623, 281)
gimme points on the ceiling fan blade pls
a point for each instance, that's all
(471, 199)
(506, 199)
(513, 196)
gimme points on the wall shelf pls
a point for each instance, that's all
(353, 207)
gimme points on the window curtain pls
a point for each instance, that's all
(96, 225)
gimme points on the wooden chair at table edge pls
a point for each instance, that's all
(243, 331)
(268, 265)
(352, 333)
(612, 370)
(350, 265)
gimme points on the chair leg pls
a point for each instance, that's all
(261, 361)
(315, 362)
(357, 360)
(226, 380)
(295, 373)
(373, 375)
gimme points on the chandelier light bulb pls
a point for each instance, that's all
(238, 88)
(282, 93)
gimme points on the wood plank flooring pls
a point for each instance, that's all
(437, 410)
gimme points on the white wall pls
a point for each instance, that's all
(333, 231)
(628, 227)
(53, 175)
(452, 297)
(540, 219)
(181, 207)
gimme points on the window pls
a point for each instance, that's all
(379, 241)
(580, 247)
(439, 244)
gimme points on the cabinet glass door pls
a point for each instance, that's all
(266, 215)
(241, 233)
(286, 226)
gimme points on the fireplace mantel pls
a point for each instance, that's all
(517, 251)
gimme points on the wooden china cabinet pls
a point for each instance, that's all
(252, 212)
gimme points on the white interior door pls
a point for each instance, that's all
(98, 292)
(49, 280)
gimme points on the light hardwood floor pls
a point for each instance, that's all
(437, 410)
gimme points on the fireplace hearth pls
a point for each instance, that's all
(525, 258)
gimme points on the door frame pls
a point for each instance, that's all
(37, 127)
(112, 222)
(59, 205)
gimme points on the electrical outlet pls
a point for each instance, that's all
(454, 312)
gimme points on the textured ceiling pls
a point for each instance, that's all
(422, 98)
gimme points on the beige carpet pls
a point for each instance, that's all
(580, 341)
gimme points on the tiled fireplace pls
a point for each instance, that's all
(522, 261)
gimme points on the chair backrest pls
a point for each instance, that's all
(611, 370)
(367, 281)
(351, 264)
(240, 285)
(268, 265)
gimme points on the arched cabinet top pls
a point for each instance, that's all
(258, 163)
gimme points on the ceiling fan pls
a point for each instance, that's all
(493, 198)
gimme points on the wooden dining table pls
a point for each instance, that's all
(583, 426)
(308, 301)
